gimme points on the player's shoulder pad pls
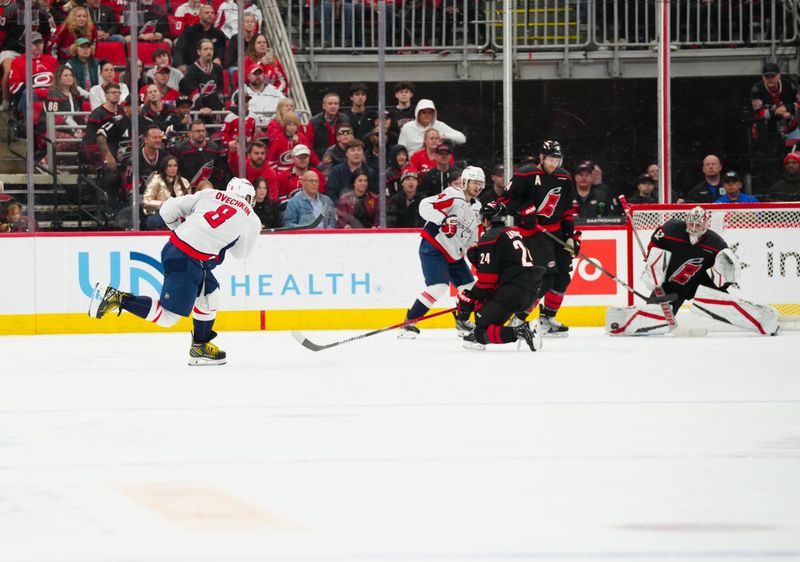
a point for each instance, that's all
(714, 240)
(562, 173)
(528, 169)
(674, 228)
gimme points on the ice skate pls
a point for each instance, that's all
(464, 327)
(531, 334)
(552, 327)
(470, 342)
(408, 332)
(206, 353)
(516, 321)
(106, 299)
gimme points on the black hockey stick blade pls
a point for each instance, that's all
(313, 224)
(308, 344)
(658, 299)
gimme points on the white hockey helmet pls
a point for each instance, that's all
(472, 173)
(697, 223)
(242, 187)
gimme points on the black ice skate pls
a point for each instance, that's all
(471, 342)
(464, 327)
(552, 327)
(530, 334)
(408, 332)
(206, 353)
(106, 299)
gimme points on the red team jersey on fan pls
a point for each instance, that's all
(43, 69)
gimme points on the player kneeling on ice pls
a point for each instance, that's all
(690, 260)
(451, 228)
(215, 222)
(507, 282)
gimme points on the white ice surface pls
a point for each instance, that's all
(386, 450)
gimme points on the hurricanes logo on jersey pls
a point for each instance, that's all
(548, 206)
(686, 271)
(208, 88)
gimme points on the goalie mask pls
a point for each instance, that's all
(697, 224)
(242, 188)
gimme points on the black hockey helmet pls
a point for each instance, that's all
(551, 148)
(494, 211)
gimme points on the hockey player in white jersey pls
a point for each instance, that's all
(451, 228)
(204, 226)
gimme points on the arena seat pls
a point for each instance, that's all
(146, 50)
(111, 51)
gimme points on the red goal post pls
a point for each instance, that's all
(765, 237)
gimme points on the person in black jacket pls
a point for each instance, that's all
(403, 207)
(187, 46)
(203, 82)
(508, 281)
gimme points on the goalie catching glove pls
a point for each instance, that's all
(725, 270)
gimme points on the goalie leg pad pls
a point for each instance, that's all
(647, 320)
(205, 306)
(758, 318)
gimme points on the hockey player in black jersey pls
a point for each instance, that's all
(688, 259)
(540, 197)
(508, 281)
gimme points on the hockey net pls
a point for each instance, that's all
(765, 237)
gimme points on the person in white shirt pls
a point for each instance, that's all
(412, 135)
(204, 226)
(97, 96)
(228, 16)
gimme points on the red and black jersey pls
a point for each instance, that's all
(198, 162)
(501, 258)
(44, 69)
(97, 118)
(12, 25)
(688, 262)
(549, 196)
(205, 89)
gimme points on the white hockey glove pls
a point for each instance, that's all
(725, 270)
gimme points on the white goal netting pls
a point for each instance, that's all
(765, 237)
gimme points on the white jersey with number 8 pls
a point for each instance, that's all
(214, 220)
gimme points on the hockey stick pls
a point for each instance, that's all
(313, 224)
(657, 299)
(659, 290)
(305, 342)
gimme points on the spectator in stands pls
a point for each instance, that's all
(154, 107)
(496, 186)
(151, 157)
(85, 67)
(787, 189)
(292, 179)
(323, 126)
(189, 12)
(198, 156)
(372, 139)
(403, 112)
(165, 184)
(97, 95)
(591, 202)
(265, 208)
(161, 82)
(599, 184)
(279, 150)
(308, 203)
(230, 125)
(435, 180)
(402, 210)
(398, 160)
(203, 81)
(732, 184)
(412, 133)
(260, 54)
(43, 67)
(263, 97)
(645, 188)
(106, 21)
(228, 16)
(13, 45)
(251, 24)
(337, 153)
(187, 47)
(161, 58)
(284, 107)
(63, 97)
(255, 162)
(102, 114)
(357, 207)
(78, 25)
(772, 101)
(155, 26)
(179, 122)
(14, 221)
(710, 189)
(360, 116)
(126, 76)
(340, 175)
(424, 159)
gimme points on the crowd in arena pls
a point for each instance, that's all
(189, 127)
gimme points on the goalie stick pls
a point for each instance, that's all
(658, 291)
(313, 224)
(308, 344)
(656, 299)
